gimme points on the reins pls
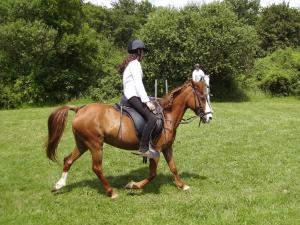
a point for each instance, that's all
(198, 111)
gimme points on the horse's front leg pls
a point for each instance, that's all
(152, 175)
(168, 154)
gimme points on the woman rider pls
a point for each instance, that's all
(136, 94)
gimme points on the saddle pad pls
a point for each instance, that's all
(138, 120)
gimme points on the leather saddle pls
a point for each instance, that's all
(125, 108)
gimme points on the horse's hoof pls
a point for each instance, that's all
(114, 195)
(186, 187)
(58, 186)
(130, 185)
(55, 188)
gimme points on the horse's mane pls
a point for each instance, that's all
(166, 102)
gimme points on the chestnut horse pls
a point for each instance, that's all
(97, 123)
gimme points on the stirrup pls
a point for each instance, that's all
(151, 154)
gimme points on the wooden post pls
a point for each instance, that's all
(155, 95)
(166, 86)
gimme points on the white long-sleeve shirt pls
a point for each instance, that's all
(197, 74)
(132, 81)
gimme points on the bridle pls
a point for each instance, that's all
(199, 111)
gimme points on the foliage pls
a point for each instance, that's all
(8, 99)
(65, 16)
(24, 47)
(279, 27)
(133, 16)
(4, 11)
(100, 19)
(75, 65)
(121, 22)
(278, 73)
(109, 83)
(246, 10)
(46, 45)
(210, 35)
(162, 39)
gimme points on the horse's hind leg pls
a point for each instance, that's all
(152, 175)
(68, 161)
(96, 148)
(168, 154)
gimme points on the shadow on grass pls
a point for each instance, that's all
(119, 182)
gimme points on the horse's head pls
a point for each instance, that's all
(194, 95)
(198, 100)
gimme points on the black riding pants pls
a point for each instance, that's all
(148, 116)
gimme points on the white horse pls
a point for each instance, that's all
(209, 109)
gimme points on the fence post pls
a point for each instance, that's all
(155, 87)
(166, 82)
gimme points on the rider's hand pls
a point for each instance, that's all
(151, 106)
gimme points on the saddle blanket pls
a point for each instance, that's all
(138, 120)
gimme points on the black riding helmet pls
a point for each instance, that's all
(134, 45)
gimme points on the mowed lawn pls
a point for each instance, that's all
(243, 168)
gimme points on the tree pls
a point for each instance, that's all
(279, 27)
(246, 10)
(127, 7)
(120, 23)
(4, 11)
(133, 16)
(210, 35)
(100, 19)
(47, 52)
(144, 8)
(24, 50)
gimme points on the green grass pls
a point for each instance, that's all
(243, 168)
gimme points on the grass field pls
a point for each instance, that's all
(243, 168)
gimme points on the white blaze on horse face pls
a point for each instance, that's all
(208, 110)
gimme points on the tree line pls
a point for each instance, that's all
(54, 50)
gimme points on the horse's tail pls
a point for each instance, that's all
(56, 125)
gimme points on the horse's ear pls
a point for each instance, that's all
(200, 84)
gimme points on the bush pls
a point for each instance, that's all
(8, 98)
(106, 88)
(24, 47)
(74, 67)
(24, 90)
(278, 73)
(108, 84)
